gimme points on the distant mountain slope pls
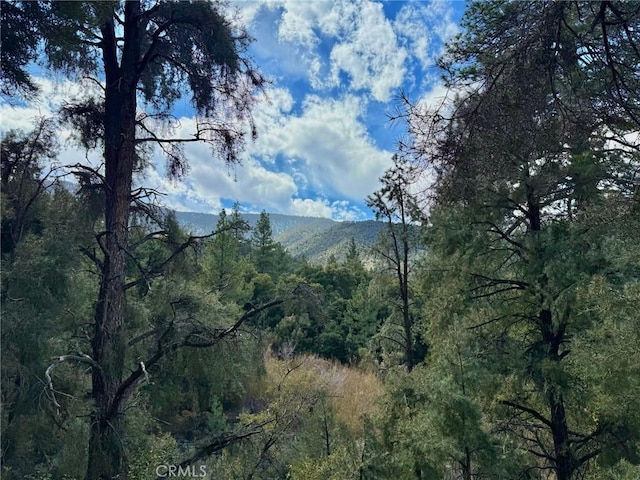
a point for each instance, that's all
(314, 238)
(320, 245)
(206, 222)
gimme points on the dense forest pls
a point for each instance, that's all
(496, 336)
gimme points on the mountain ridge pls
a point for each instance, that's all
(313, 238)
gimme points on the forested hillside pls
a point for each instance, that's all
(496, 334)
(316, 239)
(202, 223)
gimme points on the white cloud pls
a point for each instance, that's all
(363, 45)
(272, 115)
(343, 210)
(209, 180)
(52, 97)
(441, 16)
(367, 49)
(298, 165)
(331, 143)
(299, 21)
(410, 25)
(338, 210)
(19, 118)
(314, 155)
(325, 150)
(307, 207)
(351, 43)
(424, 28)
(435, 98)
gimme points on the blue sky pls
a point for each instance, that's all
(336, 69)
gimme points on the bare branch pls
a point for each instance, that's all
(158, 270)
(93, 257)
(78, 358)
(528, 410)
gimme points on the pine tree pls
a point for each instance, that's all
(530, 195)
(395, 205)
(267, 254)
(137, 51)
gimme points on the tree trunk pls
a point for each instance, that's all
(552, 336)
(564, 464)
(403, 280)
(106, 458)
(560, 432)
(406, 315)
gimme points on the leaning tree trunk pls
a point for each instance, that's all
(106, 458)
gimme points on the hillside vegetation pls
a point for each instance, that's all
(316, 239)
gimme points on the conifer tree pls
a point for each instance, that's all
(534, 179)
(398, 208)
(136, 51)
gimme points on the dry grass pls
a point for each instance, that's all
(353, 393)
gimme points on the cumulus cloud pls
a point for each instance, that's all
(314, 154)
(298, 163)
(300, 20)
(410, 25)
(321, 207)
(424, 28)
(351, 43)
(53, 95)
(364, 51)
(367, 49)
(307, 207)
(331, 141)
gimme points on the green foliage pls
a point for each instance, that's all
(120, 302)
(224, 269)
(20, 39)
(47, 290)
(146, 446)
(333, 315)
(201, 389)
(23, 180)
(312, 425)
(531, 202)
(268, 255)
(139, 52)
(310, 238)
(527, 298)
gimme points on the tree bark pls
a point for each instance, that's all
(564, 464)
(552, 336)
(401, 250)
(106, 459)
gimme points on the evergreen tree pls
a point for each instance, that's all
(268, 255)
(352, 258)
(138, 51)
(224, 250)
(262, 237)
(47, 291)
(534, 178)
(21, 30)
(23, 181)
(240, 229)
(226, 272)
(395, 205)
